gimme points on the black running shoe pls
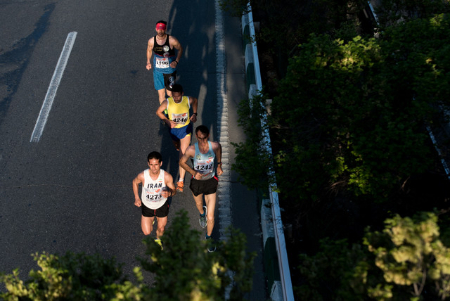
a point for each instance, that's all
(211, 244)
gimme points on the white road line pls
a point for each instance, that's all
(53, 87)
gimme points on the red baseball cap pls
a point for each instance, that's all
(161, 26)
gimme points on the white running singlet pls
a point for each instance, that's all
(151, 190)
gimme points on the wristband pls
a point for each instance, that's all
(176, 61)
(194, 114)
(219, 163)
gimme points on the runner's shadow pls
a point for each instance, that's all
(168, 151)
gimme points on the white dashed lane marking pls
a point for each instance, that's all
(53, 87)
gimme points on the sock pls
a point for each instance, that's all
(204, 212)
(207, 236)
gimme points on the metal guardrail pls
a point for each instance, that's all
(373, 11)
(285, 275)
(444, 164)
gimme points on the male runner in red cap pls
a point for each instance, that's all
(164, 64)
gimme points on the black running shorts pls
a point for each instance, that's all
(169, 80)
(204, 187)
(162, 211)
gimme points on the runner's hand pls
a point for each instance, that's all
(193, 118)
(165, 193)
(137, 202)
(149, 66)
(172, 124)
(219, 170)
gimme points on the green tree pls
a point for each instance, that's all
(285, 24)
(69, 277)
(406, 259)
(328, 274)
(184, 270)
(411, 254)
(390, 12)
(253, 159)
(355, 112)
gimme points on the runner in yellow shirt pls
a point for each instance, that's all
(179, 121)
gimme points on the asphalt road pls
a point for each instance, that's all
(72, 190)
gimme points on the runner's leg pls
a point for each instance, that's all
(147, 224)
(176, 144)
(210, 200)
(199, 202)
(162, 222)
(169, 81)
(161, 95)
(184, 143)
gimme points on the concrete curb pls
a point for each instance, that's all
(223, 190)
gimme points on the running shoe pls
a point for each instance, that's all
(211, 244)
(159, 242)
(202, 219)
(180, 186)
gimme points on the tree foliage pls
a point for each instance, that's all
(236, 8)
(253, 160)
(285, 24)
(183, 270)
(391, 12)
(356, 111)
(407, 260)
(349, 121)
(410, 253)
(70, 277)
(328, 275)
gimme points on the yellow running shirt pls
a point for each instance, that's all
(179, 112)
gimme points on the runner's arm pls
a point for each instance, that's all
(189, 153)
(149, 53)
(138, 180)
(194, 104)
(176, 44)
(169, 184)
(217, 148)
(160, 112)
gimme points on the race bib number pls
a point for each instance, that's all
(204, 168)
(180, 118)
(151, 196)
(162, 62)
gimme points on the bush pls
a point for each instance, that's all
(406, 259)
(184, 270)
(357, 111)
